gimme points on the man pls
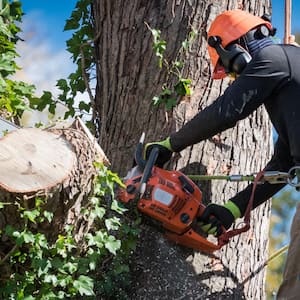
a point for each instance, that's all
(240, 44)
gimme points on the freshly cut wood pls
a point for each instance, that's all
(32, 159)
(56, 164)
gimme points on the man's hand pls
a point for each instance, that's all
(164, 154)
(292, 40)
(216, 217)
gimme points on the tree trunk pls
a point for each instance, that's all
(128, 77)
(47, 164)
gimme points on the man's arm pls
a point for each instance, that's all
(262, 77)
(281, 161)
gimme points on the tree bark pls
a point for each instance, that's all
(128, 77)
(55, 164)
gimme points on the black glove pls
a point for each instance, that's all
(164, 154)
(215, 217)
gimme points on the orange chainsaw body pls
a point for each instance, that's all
(173, 200)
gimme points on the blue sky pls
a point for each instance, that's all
(50, 17)
(43, 55)
(278, 16)
(46, 19)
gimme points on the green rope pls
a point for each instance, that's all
(277, 254)
(222, 177)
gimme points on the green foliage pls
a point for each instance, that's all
(65, 268)
(14, 96)
(169, 95)
(159, 45)
(80, 47)
(35, 266)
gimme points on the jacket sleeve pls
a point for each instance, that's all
(280, 161)
(264, 75)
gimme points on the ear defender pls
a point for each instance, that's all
(258, 33)
(234, 58)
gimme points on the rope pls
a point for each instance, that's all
(276, 254)
(224, 238)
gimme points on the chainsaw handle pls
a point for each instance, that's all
(138, 155)
(148, 169)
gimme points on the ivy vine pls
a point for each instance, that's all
(35, 267)
(169, 95)
(15, 96)
(40, 269)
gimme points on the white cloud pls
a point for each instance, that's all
(42, 64)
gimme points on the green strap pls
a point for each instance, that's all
(166, 143)
(233, 208)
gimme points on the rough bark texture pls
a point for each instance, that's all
(65, 198)
(128, 78)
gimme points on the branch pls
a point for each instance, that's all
(83, 67)
(8, 255)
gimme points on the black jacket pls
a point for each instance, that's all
(272, 79)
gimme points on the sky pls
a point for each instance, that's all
(43, 55)
(278, 16)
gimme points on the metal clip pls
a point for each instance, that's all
(294, 177)
(275, 177)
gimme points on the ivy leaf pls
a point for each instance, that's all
(31, 215)
(71, 24)
(84, 106)
(98, 212)
(112, 244)
(48, 215)
(62, 84)
(121, 269)
(84, 285)
(6, 62)
(171, 102)
(28, 237)
(52, 108)
(116, 206)
(49, 278)
(29, 298)
(182, 87)
(45, 100)
(112, 223)
(4, 29)
(156, 100)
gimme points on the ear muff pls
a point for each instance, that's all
(234, 58)
(258, 33)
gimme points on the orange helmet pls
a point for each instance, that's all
(230, 26)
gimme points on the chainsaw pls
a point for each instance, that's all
(172, 200)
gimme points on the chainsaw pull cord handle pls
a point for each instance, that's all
(148, 169)
(225, 237)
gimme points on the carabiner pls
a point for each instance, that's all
(275, 177)
(294, 176)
